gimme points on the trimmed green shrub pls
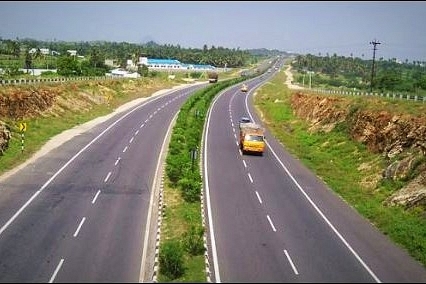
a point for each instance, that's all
(190, 186)
(193, 240)
(171, 259)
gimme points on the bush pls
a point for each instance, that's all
(171, 259)
(190, 185)
(48, 74)
(176, 165)
(193, 240)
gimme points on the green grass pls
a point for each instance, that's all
(183, 221)
(42, 128)
(178, 216)
(39, 131)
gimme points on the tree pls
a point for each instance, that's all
(388, 80)
(16, 50)
(67, 66)
(36, 55)
(28, 60)
(143, 70)
(96, 58)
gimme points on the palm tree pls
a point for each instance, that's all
(16, 49)
(45, 59)
(37, 54)
(28, 60)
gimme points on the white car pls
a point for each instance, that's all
(244, 119)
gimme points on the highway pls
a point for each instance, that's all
(80, 212)
(271, 220)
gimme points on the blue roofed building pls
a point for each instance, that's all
(199, 67)
(172, 64)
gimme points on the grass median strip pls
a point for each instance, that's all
(182, 247)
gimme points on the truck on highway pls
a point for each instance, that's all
(213, 76)
(252, 138)
(244, 88)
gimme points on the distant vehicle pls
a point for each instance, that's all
(213, 76)
(244, 88)
(252, 139)
(245, 73)
(243, 120)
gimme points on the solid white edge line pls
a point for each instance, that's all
(151, 201)
(207, 190)
(316, 207)
(206, 182)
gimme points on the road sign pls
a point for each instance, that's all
(23, 127)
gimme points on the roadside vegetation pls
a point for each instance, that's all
(75, 104)
(335, 150)
(182, 247)
(89, 58)
(349, 73)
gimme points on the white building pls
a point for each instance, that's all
(111, 63)
(72, 52)
(118, 72)
(44, 51)
(37, 72)
(172, 64)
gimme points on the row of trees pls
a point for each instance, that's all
(96, 52)
(334, 70)
(389, 75)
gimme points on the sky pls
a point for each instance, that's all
(345, 28)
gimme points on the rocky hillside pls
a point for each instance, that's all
(5, 136)
(21, 102)
(400, 137)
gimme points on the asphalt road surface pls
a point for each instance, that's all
(271, 220)
(79, 211)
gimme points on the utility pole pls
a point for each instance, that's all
(374, 43)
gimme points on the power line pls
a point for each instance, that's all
(374, 43)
